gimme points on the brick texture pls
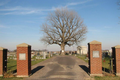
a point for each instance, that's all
(24, 66)
(95, 64)
(3, 61)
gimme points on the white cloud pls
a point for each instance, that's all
(76, 3)
(18, 10)
(22, 10)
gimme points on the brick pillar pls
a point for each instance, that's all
(116, 59)
(3, 60)
(23, 60)
(95, 58)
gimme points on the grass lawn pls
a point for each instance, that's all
(11, 65)
(106, 63)
(107, 78)
(12, 78)
(83, 57)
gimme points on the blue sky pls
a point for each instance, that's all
(20, 21)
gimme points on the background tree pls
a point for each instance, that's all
(63, 27)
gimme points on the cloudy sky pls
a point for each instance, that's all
(20, 21)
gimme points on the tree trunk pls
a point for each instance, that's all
(63, 49)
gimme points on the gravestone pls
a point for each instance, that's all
(44, 55)
(51, 54)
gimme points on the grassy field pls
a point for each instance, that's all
(107, 78)
(11, 65)
(83, 57)
(106, 64)
(12, 78)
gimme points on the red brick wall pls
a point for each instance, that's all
(95, 64)
(24, 66)
(118, 60)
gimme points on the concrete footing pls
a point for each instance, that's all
(117, 74)
(23, 75)
(1, 75)
(96, 74)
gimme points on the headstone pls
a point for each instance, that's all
(44, 55)
(51, 54)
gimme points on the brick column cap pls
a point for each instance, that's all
(1, 48)
(23, 45)
(117, 46)
(94, 42)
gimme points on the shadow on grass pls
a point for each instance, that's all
(106, 70)
(14, 71)
(36, 69)
(84, 68)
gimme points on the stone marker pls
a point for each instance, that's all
(44, 55)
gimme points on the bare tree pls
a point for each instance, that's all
(63, 27)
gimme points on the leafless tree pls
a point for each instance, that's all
(63, 27)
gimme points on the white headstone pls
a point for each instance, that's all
(44, 55)
(51, 54)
